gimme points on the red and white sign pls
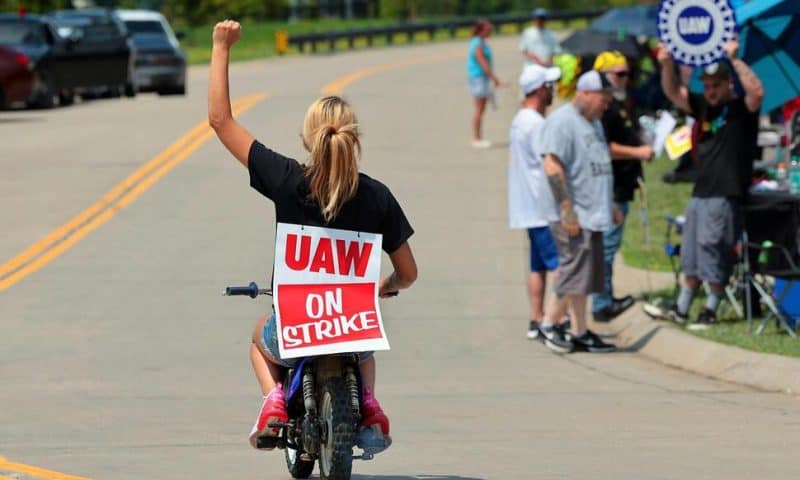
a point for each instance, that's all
(326, 291)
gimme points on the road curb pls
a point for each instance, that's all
(667, 344)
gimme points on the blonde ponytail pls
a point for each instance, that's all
(330, 134)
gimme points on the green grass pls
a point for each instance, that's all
(733, 330)
(258, 38)
(662, 199)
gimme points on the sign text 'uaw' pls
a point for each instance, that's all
(326, 291)
(696, 31)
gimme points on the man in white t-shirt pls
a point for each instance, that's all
(530, 203)
(538, 44)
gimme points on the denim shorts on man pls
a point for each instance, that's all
(713, 226)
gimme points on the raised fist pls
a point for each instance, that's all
(226, 33)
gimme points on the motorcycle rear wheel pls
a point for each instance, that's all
(336, 450)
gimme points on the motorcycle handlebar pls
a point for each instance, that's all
(251, 291)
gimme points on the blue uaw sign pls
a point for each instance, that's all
(696, 31)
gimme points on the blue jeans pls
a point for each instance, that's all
(612, 240)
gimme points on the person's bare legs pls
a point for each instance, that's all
(477, 118)
(367, 368)
(268, 371)
(577, 306)
(537, 283)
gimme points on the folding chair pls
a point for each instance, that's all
(759, 276)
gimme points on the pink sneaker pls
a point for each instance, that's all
(372, 413)
(273, 408)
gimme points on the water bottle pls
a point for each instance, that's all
(781, 176)
(794, 175)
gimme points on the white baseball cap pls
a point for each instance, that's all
(534, 76)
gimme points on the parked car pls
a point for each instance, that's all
(16, 78)
(160, 62)
(100, 45)
(65, 65)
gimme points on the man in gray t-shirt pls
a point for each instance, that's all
(577, 164)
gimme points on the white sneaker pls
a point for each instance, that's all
(481, 143)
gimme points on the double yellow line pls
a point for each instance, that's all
(17, 468)
(123, 194)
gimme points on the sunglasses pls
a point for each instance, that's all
(621, 74)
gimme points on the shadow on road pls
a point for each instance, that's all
(4, 119)
(413, 477)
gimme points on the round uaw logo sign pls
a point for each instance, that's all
(696, 31)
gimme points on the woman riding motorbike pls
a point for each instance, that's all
(328, 191)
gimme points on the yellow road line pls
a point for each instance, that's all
(14, 467)
(64, 237)
(337, 86)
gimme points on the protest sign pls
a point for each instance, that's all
(696, 31)
(326, 291)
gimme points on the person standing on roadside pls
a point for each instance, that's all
(530, 205)
(627, 155)
(577, 163)
(538, 44)
(480, 73)
(726, 143)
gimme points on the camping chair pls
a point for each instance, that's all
(759, 277)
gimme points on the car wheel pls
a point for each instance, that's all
(66, 97)
(130, 90)
(3, 105)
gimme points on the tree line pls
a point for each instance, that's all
(200, 12)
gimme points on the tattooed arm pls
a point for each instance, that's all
(673, 90)
(753, 89)
(558, 185)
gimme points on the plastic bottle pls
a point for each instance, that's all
(794, 175)
(781, 176)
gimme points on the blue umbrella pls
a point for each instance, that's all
(769, 37)
(637, 20)
(769, 41)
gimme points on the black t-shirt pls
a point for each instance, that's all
(619, 128)
(726, 145)
(373, 209)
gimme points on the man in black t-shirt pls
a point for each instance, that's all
(627, 155)
(725, 143)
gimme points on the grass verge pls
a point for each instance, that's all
(258, 38)
(647, 251)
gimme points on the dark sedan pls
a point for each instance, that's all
(91, 57)
(160, 62)
(16, 78)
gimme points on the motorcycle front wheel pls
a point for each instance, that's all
(338, 434)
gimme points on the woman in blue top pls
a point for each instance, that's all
(479, 70)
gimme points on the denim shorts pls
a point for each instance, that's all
(269, 341)
(479, 87)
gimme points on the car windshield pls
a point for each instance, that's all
(97, 30)
(145, 27)
(20, 33)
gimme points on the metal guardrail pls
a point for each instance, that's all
(312, 40)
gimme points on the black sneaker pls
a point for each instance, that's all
(674, 315)
(564, 329)
(590, 342)
(617, 307)
(554, 339)
(705, 320)
(533, 330)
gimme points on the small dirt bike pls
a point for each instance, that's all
(323, 401)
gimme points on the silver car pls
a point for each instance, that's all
(160, 62)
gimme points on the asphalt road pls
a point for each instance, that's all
(119, 359)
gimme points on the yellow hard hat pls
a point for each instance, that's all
(608, 60)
